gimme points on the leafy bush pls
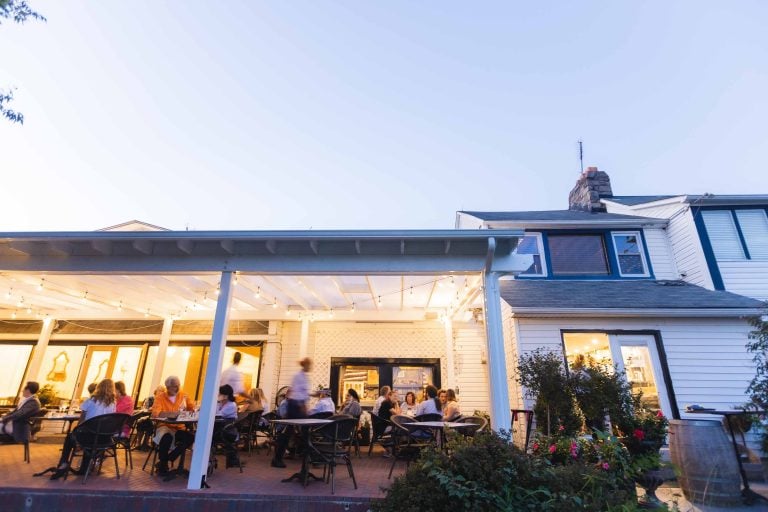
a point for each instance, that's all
(601, 389)
(543, 374)
(488, 473)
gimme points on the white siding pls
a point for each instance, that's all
(683, 238)
(660, 250)
(748, 277)
(391, 340)
(707, 358)
(509, 327)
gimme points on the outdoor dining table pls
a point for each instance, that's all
(439, 428)
(68, 418)
(304, 425)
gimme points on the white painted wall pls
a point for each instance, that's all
(747, 277)
(380, 340)
(708, 361)
(660, 251)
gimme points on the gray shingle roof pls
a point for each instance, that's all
(635, 200)
(553, 215)
(641, 294)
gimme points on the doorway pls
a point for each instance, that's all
(116, 362)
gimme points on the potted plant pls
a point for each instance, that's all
(46, 395)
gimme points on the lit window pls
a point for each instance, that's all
(629, 253)
(577, 255)
(531, 247)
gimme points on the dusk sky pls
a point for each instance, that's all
(355, 115)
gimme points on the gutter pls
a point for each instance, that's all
(638, 313)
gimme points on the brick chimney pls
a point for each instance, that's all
(590, 187)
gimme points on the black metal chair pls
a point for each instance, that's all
(481, 423)
(96, 439)
(247, 426)
(334, 441)
(321, 415)
(34, 427)
(408, 441)
(429, 417)
(379, 432)
(127, 444)
(265, 428)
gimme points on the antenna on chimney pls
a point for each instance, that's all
(581, 154)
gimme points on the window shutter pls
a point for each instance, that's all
(722, 234)
(754, 227)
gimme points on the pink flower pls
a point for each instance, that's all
(574, 450)
(560, 428)
(606, 466)
(639, 434)
(659, 414)
(552, 448)
(535, 447)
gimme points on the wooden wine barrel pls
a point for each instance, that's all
(703, 454)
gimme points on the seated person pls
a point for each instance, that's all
(223, 432)
(431, 405)
(408, 407)
(383, 392)
(324, 404)
(352, 404)
(123, 405)
(451, 409)
(16, 422)
(168, 434)
(101, 402)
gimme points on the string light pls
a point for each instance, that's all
(29, 310)
(288, 312)
(85, 297)
(41, 285)
(194, 305)
(218, 289)
(411, 291)
(120, 306)
(258, 292)
(146, 313)
(21, 302)
(330, 314)
(236, 279)
(379, 301)
(274, 304)
(8, 294)
(466, 284)
(453, 283)
(353, 307)
(13, 315)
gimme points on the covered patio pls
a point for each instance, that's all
(387, 295)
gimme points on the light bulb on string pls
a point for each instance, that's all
(21, 302)
(194, 305)
(258, 292)
(353, 307)
(41, 285)
(218, 289)
(236, 279)
(120, 306)
(146, 313)
(287, 312)
(13, 315)
(452, 283)
(85, 297)
(330, 314)
(29, 310)
(8, 293)
(411, 291)
(274, 304)
(379, 301)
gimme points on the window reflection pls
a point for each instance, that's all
(13, 363)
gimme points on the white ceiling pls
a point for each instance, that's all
(193, 296)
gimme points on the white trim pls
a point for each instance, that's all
(641, 250)
(542, 258)
(628, 312)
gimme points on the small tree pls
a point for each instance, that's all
(542, 373)
(599, 390)
(758, 346)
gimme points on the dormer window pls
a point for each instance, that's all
(532, 247)
(629, 254)
(578, 255)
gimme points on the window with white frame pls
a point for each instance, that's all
(532, 248)
(630, 255)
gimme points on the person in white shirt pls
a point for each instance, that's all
(325, 404)
(296, 408)
(233, 377)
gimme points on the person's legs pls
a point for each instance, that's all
(163, 448)
(183, 441)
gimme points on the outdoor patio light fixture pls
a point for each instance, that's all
(41, 285)
(8, 294)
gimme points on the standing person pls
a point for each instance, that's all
(431, 405)
(102, 402)
(123, 404)
(409, 406)
(233, 377)
(383, 392)
(16, 422)
(352, 404)
(166, 435)
(296, 407)
(451, 409)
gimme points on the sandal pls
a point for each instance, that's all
(60, 472)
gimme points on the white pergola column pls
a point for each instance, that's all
(37, 354)
(304, 340)
(162, 350)
(497, 365)
(204, 433)
(450, 377)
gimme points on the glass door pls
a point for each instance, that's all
(636, 356)
(109, 362)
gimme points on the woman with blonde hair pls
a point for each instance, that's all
(256, 401)
(103, 401)
(451, 409)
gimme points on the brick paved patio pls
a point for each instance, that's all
(257, 488)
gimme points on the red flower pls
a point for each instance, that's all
(535, 447)
(560, 428)
(659, 414)
(552, 448)
(639, 434)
